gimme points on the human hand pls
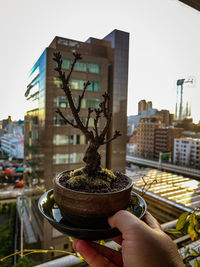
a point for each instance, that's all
(143, 243)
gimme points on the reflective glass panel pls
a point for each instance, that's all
(80, 66)
(94, 67)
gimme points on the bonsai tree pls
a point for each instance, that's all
(92, 174)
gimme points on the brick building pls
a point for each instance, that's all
(146, 136)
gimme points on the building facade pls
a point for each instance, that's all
(131, 147)
(52, 146)
(164, 139)
(187, 152)
(12, 146)
(146, 136)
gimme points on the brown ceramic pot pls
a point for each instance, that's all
(89, 209)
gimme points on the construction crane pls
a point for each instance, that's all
(179, 102)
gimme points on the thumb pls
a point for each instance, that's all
(124, 221)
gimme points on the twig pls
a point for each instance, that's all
(65, 119)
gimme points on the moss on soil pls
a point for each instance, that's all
(103, 178)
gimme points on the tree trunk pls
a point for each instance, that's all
(92, 159)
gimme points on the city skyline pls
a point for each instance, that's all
(164, 43)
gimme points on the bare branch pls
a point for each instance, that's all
(65, 119)
(67, 90)
(147, 185)
(96, 120)
(88, 117)
(105, 106)
(117, 134)
(76, 57)
(81, 97)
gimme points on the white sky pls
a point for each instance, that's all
(164, 45)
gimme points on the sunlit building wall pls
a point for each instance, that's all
(146, 136)
(187, 152)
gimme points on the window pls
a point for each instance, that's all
(57, 82)
(66, 63)
(58, 121)
(34, 74)
(62, 102)
(80, 66)
(76, 157)
(94, 86)
(60, 139)
(92, 103)
(60, 158)
(34, 134)
(94, 68)
(77, 84)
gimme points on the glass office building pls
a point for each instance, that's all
(52, 146)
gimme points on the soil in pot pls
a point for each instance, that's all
(116, 185)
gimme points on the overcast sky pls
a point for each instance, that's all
(164, 45)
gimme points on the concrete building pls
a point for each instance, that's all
(145, 110)
(50, 145)
(187, 152)
(11, 145)
(164, 139)
(146, 136)
(143, 105)
(132, 144)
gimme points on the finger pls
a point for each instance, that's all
(112, 255)
(151, 221)
(93, 258)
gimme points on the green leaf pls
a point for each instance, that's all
(196, 263)
(185, 228)
(102, 242)
(191, 228)
(172, 231)
(192, 233)
(194, 252)
(182, 221)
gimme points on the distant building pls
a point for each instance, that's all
(11, 145)
(186, 124)
(187, 152)
(134, 120)
(12, 140)
(130, 129)
(145, 110)
(132, 144)
(192, 134)
(146, 136)
(164, 139)
(143, 105)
